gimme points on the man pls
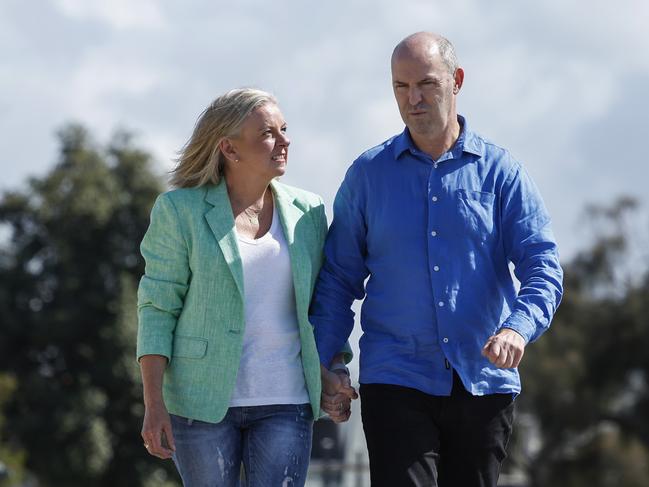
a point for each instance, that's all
(433, 217)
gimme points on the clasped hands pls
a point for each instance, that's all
(337, 394)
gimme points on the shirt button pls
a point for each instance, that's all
(445, 340)
(440, 304)
(433, 233)
(436, 268)
(434, 198)
(435, 165)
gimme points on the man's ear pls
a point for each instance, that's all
(459, 79)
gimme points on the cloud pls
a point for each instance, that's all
(118, 14)
(549, 80)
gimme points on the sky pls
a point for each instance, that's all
(563, 84)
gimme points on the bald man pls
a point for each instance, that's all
(425, 227)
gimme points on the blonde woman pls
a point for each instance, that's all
(229, 365)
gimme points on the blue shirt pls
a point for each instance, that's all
(434, 239)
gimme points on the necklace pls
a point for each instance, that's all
(253, 215)
(254, 212)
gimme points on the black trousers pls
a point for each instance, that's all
(415, 439)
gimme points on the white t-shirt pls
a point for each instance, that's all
(270, 371)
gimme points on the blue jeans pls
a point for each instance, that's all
(273, 442)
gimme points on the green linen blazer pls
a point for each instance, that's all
(190, 299)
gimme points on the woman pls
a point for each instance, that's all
(231, 259)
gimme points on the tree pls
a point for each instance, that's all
(11, 458)
(587, 380)
(69, 274)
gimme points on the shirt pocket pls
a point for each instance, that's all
(189, 347)
(476, 213)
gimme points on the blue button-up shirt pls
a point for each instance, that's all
(435, 238)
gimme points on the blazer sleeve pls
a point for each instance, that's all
(163, 286)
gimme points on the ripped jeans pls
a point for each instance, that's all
(273, 442)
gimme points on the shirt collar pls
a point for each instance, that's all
(468, 141)
(403, 142)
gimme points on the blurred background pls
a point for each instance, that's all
(97, 96)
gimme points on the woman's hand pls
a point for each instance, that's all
(156, 431)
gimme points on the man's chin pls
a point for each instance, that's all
(420, 127)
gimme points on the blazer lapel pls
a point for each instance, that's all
(290, 215)
(221, 222)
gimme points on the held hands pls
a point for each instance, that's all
(504, 349)
(156, 431)
(337, 394)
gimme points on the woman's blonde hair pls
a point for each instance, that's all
(200, 161)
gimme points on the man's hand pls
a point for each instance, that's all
(337, 395)
(505, 349)
(156, 431)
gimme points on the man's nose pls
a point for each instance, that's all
(414, 95)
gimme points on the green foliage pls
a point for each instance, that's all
(12, 458)
(69, 274)
(586, 382)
